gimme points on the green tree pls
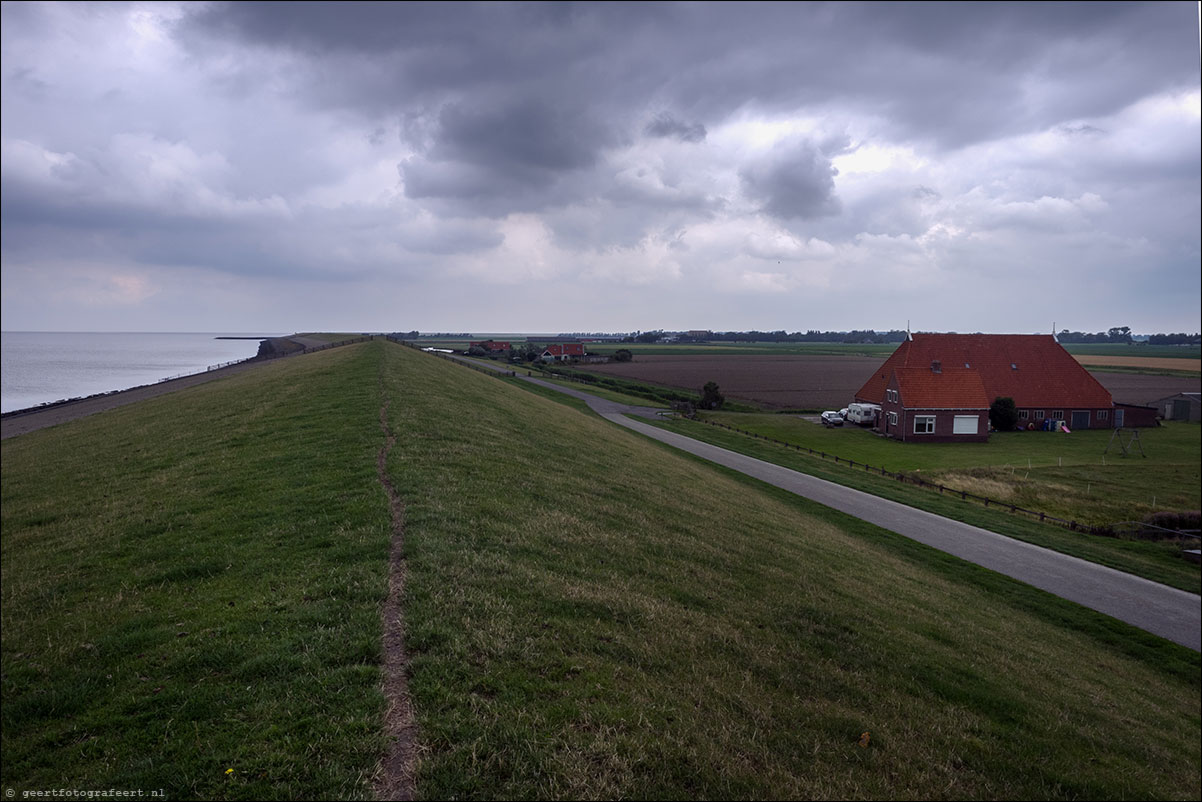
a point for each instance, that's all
(710, 397)
(1003, 414)
(623, 355)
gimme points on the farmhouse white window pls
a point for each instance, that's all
(1058, 414)
(1103, 414)
(1023, 413)
(1038, 414)
(924, 424)
(965, 424)
(892, 418)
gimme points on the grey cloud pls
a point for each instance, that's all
(514, 156)
(504, 88)
(524, 133)
(665, 125)
(794, 180)
(412, 127)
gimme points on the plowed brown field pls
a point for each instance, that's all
(775, 382)
(828, 382)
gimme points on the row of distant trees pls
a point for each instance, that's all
(1122, 334)
(780, 336)
(1116, 334)
(1175, 339)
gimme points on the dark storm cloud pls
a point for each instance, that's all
(795, 180)
(665, 125)
(515, 94)
(398, 139)
(511, 156)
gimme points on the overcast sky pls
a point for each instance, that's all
(548, 167)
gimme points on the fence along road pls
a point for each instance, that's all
(1168, 612)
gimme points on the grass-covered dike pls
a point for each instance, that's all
(193, 585)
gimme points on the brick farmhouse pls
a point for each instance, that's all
(492, 346)
(563, 352)
(938, 388)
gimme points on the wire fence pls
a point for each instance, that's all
(1075, 526)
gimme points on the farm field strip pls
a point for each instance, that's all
(1150, 363)
(826, 382)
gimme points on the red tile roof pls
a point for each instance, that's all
(567, 349)
(952, 388)
(1033, 369)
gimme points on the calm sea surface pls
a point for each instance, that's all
(49, 366)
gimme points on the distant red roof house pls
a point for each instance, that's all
(934, 383)
(492, 345)
(563, 352)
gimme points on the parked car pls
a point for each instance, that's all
(843, 413)
(832, 418)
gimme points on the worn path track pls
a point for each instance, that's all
(394, 776)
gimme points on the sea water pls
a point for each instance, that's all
(40, 367)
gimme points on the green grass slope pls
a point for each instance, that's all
(193, 584)
(593, 616)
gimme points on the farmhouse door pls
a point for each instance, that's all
(1081, 419)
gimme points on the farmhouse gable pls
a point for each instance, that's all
(1044, 380)
(562, 352)
(492, 346)
(935, 404)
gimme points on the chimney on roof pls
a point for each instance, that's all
(936, 366)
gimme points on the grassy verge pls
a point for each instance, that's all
(191, 585)
(594, 616)
(1158, 561)
(1069, 476)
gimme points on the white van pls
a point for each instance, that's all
(863, 414)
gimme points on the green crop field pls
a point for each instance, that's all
(1135, 349)
(193, 585)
